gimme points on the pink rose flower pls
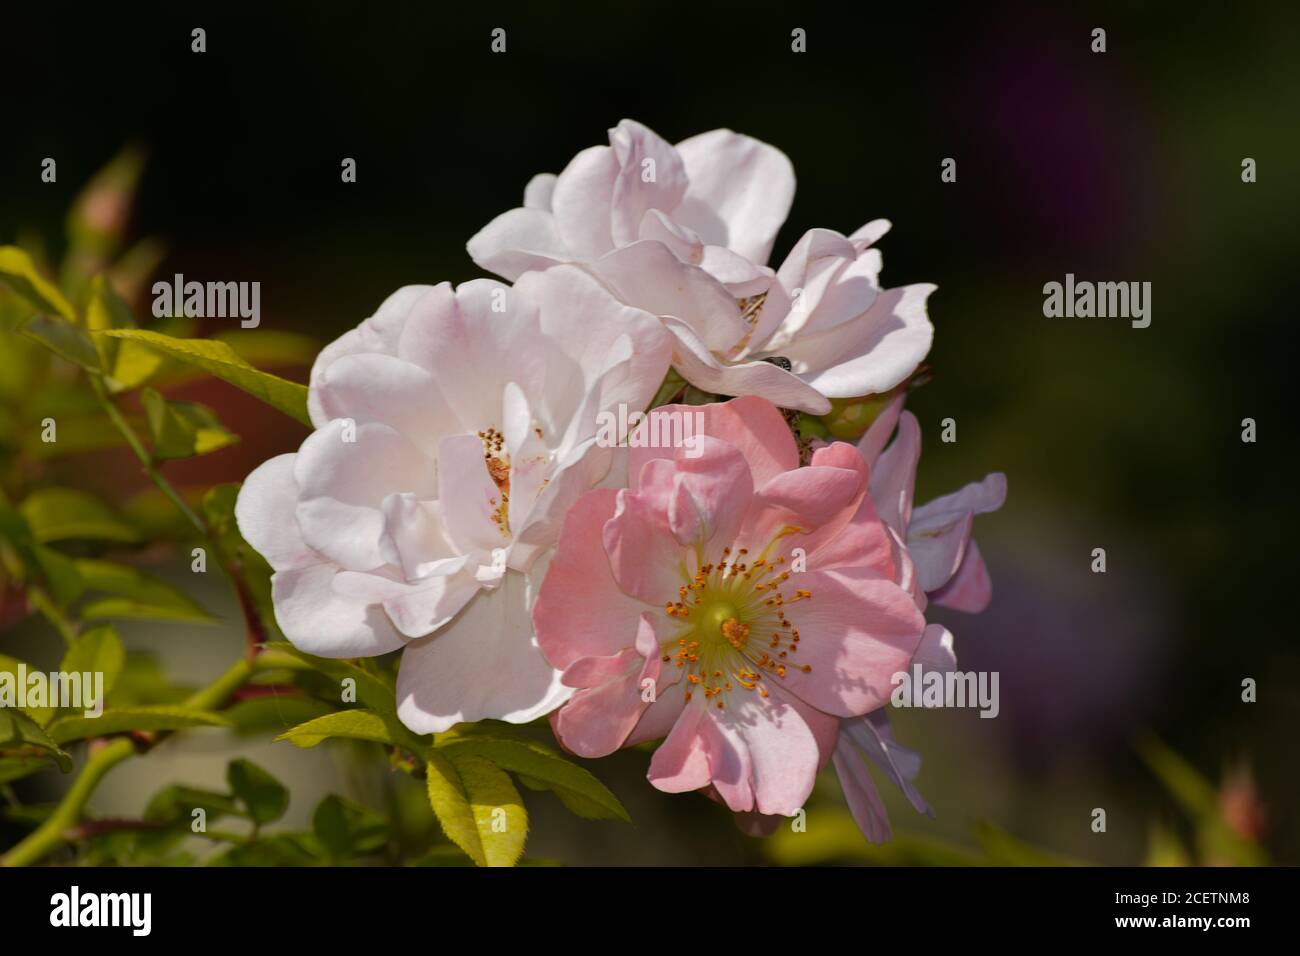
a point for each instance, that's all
(731, 602)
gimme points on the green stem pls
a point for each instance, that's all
(42, 602)
(146, 459)
(50, 834)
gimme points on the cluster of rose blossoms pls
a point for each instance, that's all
(748, 600)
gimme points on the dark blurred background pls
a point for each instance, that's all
(1122, 166)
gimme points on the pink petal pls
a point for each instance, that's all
(580, 611)
(857, 631)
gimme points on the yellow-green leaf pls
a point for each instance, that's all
(136, 595)
(58, 514)
(98, 650)
(478, 807)
(579, 790)
(19, 273)
(220, 360)
(20, 736)
(64, 339)
(122, 719)
(182, 429)
(353, 724)
(10, 666)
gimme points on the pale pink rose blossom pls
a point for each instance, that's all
(453, 430)
(688, 587)
(685, 232)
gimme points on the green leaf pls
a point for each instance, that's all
(15, 768)
(372, 690)
(1003, 849)
(19, 273)
(183, 429)
(353, 724)
(220, 359)
(60, 574)
(832, 836)
(123, 719)
(10, 666)
(346, 829)
(129, 364)
(478, 807)
(20, 736)
(64, 339)
(137, 595)
(268, 347)
(265, 797)
(579, 790)
(58, 514)
(106, 310)
(98, 650)
(274, 713)
(177, 802)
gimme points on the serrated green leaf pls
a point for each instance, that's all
(182, 429)
(19, 273)
(274, 713)
(478, 808)
(579, 790)
(20, 736)
(262, 795)
(346, 829)
(220, 360)
(98, 650)
(68, 341)
(268, 347)
(352, 724)
(122, 719)
(58, 514)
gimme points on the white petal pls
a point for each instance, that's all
(322, 622)
(703, 370)
(582, 202)
(484, 664)
(343, 485)
(516, 241)
(264, 512)
(740, 192)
